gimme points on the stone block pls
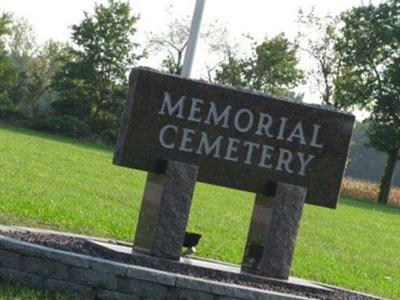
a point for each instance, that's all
(21, 247)
(111, 295)
(258, 232)
(44, 267)
(143, 289)
(176, 198)
(39, 251)
(110, 267)
(280, 243)
(185, 294)
(21, 278)
(193, 284)
(279, 296)
(65, 286)
(151, 275)
(92, 278)
(10, 260)
(168, 117)
(67, 258)
(232, 290)
(149, 211)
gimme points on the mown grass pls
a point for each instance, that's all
(47, 181)
(10, 291)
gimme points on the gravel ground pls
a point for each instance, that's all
(82, 246)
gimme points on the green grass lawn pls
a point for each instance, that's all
(59, 183)
(16, 292)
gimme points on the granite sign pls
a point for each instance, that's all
(239, 139)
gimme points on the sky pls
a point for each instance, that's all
(52, 19)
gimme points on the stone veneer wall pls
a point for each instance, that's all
(93, 278)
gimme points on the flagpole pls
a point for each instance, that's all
(193, 38)
(151, 201)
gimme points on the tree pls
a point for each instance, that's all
(22, 49)
(317, 39)
(6, 68)
(5, 21)
(231, 73)
(271, 68)
(173, 41)
(370, 47)
(364, 161)
(29, 91)
(386, 138)
(274, 68)
(28, 70)
(92, 84)
(48, 61)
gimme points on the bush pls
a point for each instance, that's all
(63, 125)
(109, 137)
(10, 115)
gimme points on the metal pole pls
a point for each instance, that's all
(193, 37)
(146, 229)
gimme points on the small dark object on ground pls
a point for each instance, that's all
(190, 242)
(191, 239)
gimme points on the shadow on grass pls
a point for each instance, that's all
(369, 205)
(66, 140)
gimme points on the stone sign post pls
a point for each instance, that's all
(152, 196)
(287, 153)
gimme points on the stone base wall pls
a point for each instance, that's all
(93, 278)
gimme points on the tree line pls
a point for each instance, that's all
(365, 162)
(79, 88)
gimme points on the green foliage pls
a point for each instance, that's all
(10, 291)
(271, 68)
(62, 125)
(59, 183)
(10, 116)
(73, 97)
(6, 68)
(47, 63)
(5, 21)
(22, 46)
(383, 135)
(173, 65)
(172, 40)
(370, 47)
(29, 90)
(231, 73)
(274, 68)
(364, 162)
(317, 40)
(92, 85)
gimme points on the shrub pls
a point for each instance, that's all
(63, 125)
(109, 137)
(11, 115)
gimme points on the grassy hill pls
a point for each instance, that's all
(59, 183)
